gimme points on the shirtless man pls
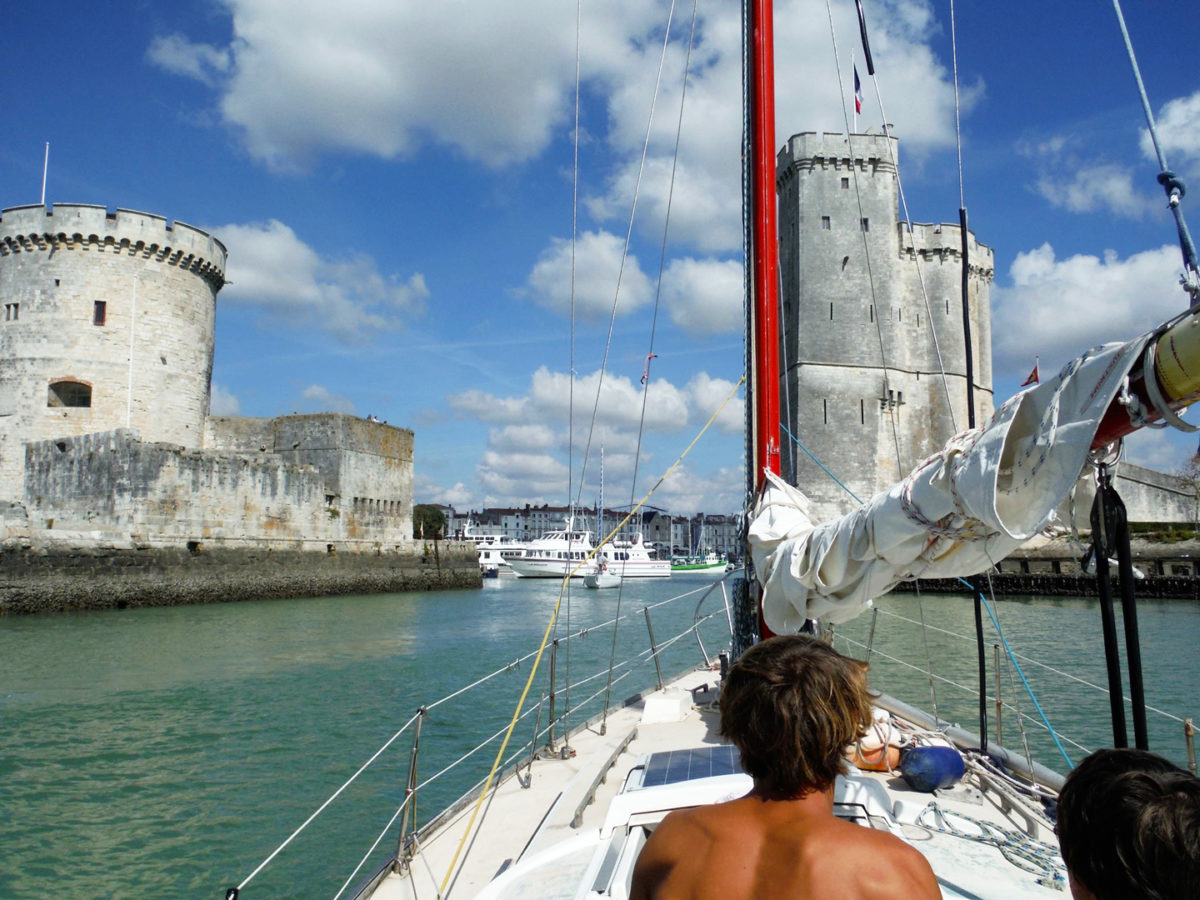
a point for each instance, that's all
(791, 705)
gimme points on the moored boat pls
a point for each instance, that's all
(561, 553)
(708, 563)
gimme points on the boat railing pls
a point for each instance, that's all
(1005, 694)
(600, 682)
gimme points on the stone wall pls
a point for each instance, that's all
(113, 483)
(45, 578)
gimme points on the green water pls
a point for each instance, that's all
(166, 752)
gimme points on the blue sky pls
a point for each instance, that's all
(393, 182)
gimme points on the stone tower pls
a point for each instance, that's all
(107, 323)
(867, 308)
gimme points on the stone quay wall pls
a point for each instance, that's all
(1053, 569)
(49, 578)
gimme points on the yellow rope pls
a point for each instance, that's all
(550, 626)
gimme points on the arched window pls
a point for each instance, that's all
(69, 393)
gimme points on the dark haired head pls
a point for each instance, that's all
(1129, 826)
(792, 704)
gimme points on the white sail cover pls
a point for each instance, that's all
(958, 513)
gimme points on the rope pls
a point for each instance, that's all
(1018, 848)
(795, 440)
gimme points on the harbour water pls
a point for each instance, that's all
(166, 752)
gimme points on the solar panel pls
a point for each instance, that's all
(674, 766)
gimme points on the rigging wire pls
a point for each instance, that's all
(612, 320)
(1168, 179)
(866, 244)
(537, 657)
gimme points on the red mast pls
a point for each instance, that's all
(764, 247)
(764, 250)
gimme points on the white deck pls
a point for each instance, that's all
(519, 823)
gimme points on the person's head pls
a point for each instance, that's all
(1129, 826)
(791, 705)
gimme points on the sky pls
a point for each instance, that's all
(395, 183)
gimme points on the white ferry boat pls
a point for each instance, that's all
(556, 554)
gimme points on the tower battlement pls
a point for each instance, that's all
(82, 226)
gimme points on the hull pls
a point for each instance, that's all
(544, 568)
(601, 580)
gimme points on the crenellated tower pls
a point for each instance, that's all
(107, 323)
(873, 318)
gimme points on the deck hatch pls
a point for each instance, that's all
(674, 766)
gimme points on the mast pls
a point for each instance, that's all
(762, 250)
(764, 245)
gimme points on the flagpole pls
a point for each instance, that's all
(45, 167)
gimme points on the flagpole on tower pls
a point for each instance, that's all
(45, 167)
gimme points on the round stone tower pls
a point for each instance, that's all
(107, 323)
(874, 349)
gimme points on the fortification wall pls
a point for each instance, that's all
(107, 323)
(1151, 496)
(112, 483)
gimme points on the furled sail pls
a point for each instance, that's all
(959, 512)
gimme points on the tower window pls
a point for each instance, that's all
(99, 312)
(866, 224)
(825, 411)
(831, 311)
(69, 393)
(871, 309)
(12, 312)
(826, 225)
(862, 412)
(845, 184)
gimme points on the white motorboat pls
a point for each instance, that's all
(556, 554)
(631, 558)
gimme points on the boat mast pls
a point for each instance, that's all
(762, 246)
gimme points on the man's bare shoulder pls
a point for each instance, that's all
(896, 866)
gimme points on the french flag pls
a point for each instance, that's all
(857, 93)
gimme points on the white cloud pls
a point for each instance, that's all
(203, 62)
(382, 77)
(525, 459)
(1097, 187)
(271, 268)
(223, 402)
(706, 396)
(1055, 308)
(704, 296)
(687, 491)
(317, 398)
(706, 203)
(598, 270)
(1178, 126)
